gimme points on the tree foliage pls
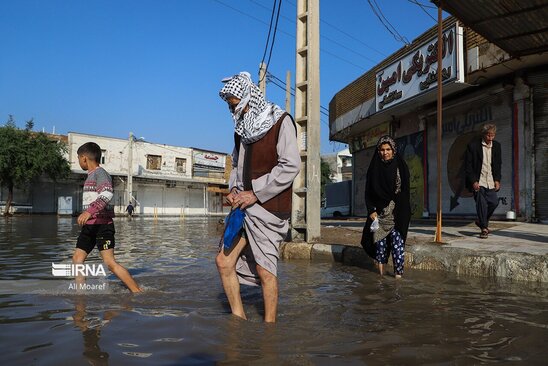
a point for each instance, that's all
(326, 174)
(25, 155)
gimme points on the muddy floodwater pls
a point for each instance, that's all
(328, 314)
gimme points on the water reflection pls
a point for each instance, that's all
(328, 313)
(91, 331)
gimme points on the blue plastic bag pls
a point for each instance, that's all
(234, 224)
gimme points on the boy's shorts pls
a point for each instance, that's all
(100, 234)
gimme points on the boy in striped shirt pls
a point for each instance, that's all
(96, 219)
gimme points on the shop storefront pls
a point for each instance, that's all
(399, 99)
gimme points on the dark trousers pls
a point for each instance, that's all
(486, 203)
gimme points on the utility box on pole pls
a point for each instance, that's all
(306, 188)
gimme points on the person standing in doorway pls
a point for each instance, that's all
(483, 173)
(265, 162)
(387, 192)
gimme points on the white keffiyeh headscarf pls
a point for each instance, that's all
(260, 116)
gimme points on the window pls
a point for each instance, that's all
(154, 162)
(103, 156)
(180, 165)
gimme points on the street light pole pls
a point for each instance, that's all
(130, 169)
(438, 238)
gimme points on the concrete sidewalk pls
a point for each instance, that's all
(514, 250)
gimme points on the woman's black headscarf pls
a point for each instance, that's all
(380, 189)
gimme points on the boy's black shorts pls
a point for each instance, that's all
(100, 234)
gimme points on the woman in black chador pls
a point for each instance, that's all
(387, 201)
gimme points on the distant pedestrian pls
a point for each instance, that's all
(265, 162)
(96, 220)
(130, 209)
(388, 206)
(483, 172)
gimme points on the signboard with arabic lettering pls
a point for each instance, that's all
(208, 158)
(416, 72)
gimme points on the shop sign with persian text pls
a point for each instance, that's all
(208, 158)
(416, 72)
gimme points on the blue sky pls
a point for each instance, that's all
(153, 67)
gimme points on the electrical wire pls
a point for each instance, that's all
(378, 13)
(273, 37)
(269, 30)
(334, 27)
(275, 80)
(423, 7)
(322, 49)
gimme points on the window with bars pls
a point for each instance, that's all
(154, 162)
(180, 165)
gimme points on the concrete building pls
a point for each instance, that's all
(340, 164)
(481, 83)
(166, 180)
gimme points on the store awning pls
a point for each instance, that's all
(519, 27)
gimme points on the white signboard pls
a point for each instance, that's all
(209, 159)
(416, 72)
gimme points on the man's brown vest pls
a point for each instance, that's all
(260, 158)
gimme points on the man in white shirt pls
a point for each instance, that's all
(483, 174)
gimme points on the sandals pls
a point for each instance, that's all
(484, 234)
(478, 225)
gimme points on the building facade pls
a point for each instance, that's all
(340, 164)
(163, 180)
(481, 84)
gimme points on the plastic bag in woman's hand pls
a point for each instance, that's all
(374, 225)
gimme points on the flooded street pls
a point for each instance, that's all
(328, 313)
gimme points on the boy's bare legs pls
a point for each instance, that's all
(79, 257)
(226, 265)
(119, 270)
(269, 282)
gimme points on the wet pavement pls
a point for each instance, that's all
(329, 313)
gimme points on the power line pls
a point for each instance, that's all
(378, 13)
(272, 76)
(334, 27)
(274, 80)
(423, 7)
(322, 49)
(274, 35)
(279, 5)
(350, 49)
(269, 30)
(243, 13)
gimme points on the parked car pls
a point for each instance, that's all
(338, 199)
(335, 211)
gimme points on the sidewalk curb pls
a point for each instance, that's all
(430, 256)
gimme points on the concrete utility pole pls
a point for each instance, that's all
(288, 92)
(130, 169)
(306, 188)
(262, 78)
